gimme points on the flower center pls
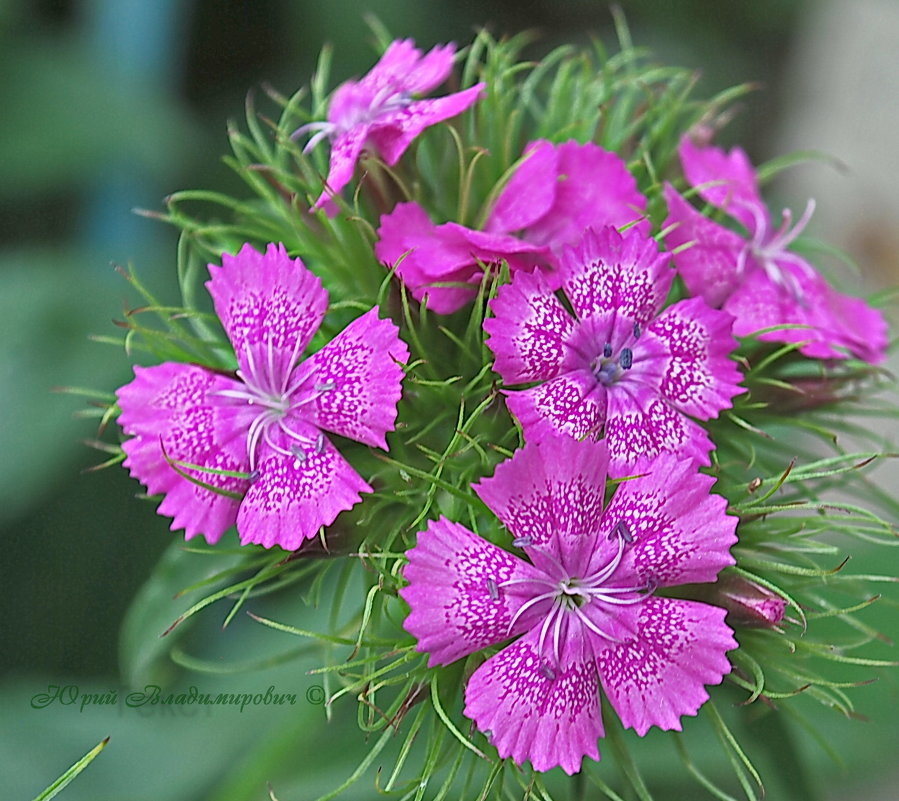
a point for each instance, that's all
(274, 397)
(769, 250)
(570, 595)
(607, 368)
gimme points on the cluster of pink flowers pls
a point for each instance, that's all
(605, 376)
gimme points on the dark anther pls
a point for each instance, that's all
(627, 358)
(636, 330)
(622, 529)
(492, 590)
(607, 349)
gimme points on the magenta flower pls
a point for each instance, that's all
(258, 437)
(755, 277)
(620, 367)
(583, 607)
(561, 190)
(557, 192)
(379, 110)
(446, 262)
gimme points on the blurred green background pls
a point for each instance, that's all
(108, 105)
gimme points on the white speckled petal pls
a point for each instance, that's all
(681, 531)
(671, 650)
(536, 710)
(170, 410)
(270, 306)
(293, 495)
(528, 330)
(352, 385)
(551, 492)
(458, 596)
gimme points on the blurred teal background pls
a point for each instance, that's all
(108, 105)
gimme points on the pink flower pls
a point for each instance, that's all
(445, 263)
(583, 604)
(620, 366)
(258, 437)
(556, 193)
(379, 110)
(755, 277)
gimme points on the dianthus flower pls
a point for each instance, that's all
(755, 277)
(256, 439)
(583, 605)
(379, 110)
(620, 367)
(554, 194)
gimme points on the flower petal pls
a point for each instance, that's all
(726, 180)
(639, 423)
(270, 306)
(297, 491)
(530, 192)
(426, 255)
(345, 150)
(392, 133)
(833, 325)
(352, 385)
(608, 270)
(699, 377)
(561, 190)
(457, 595)
(551, 492)
(709, 265)
(679, 531)
(404, 68)
(671, 650)
(172, 415)
(573, 403)
(536, 710)
(528, 330)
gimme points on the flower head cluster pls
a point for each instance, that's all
(621, 366)
(582, 604)
(555, 194)
(380, 111)
(755, 277)
(251, 448)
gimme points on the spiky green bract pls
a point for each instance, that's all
(801, 509)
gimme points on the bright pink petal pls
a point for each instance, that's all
(270, 306)
(530, 192)
(832, 325)
(639, 423)
(296, 492)
(352, 385)
(709, 265)
(550, 493)
(428, 255)
(677, 531)
(528, 330)
(345, 150)
(459, 596)
(671, 650)
(170, 410)
(392, 133)
(573, 403)
(535, 709)
(403, 68)
(608, 270)
(726, 180)
(699, 377)
(561, 190)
